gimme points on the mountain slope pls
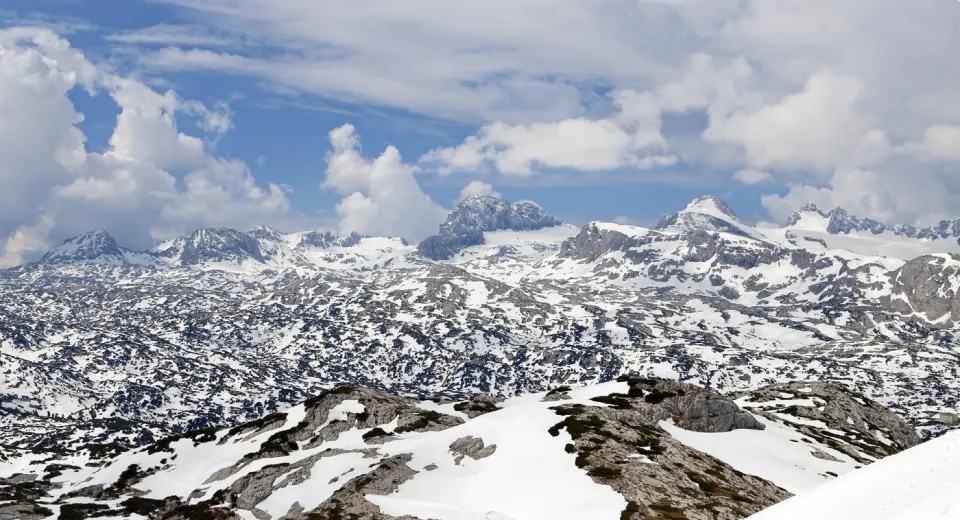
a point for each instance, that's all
(922, 482)
(566, 454)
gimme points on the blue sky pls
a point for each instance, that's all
(621, 110)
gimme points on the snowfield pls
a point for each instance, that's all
(921, 483)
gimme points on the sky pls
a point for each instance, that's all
(152, 118)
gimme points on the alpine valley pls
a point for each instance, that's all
(511, 367)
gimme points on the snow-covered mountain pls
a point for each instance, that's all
(632, 449)
(709, 214)
(225, 326)
(838, 229)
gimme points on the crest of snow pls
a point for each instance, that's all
(921, 482)
(710, 205)
(778, 453)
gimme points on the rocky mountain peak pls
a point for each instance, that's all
(91, 247)
(797, 215)
(709, 204)
(220, 245)
(326, 239)
(265, 232)
(707, 213)
(478, 214)
(843, 222)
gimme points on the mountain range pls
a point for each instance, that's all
(108, 351)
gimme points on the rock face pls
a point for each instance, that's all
(318, 240)
(472, 447)
(478, 214)
(690, 407)
(220, 245)
(926, 286)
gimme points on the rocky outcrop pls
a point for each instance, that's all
(472, 447)
(95, 247)
(220, 245)
(688, 406)
(925, 286)
(708, 214)
(478, 214)
(842, 222)
(350, 500)
(620, 447)
(478, 405)
(840, 418)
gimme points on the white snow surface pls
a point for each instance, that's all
(529, 477)
(922, 482)
(778, 454)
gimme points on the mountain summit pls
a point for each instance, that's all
(478, 214)
(708, 213)
(94, 247)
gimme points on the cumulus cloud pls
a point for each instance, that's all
(478, 188)
(52, 187)
(751, 176)
(381, 196)
(631, 138)
(859, 191)
(25, 240)
(818, 127)
(804, 91)
(940, 141)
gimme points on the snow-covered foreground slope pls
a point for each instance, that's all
(631, 449)
(922, 482)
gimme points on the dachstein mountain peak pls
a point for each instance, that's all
(479, 214)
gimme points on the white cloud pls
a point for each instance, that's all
(382, 196)
(631, 138)
(478, 188)
(52, 187)
(26, 240)
(752, 176)
(861, 192)
(805, 91)
(939, 142)
(172, 35)
(818, 127)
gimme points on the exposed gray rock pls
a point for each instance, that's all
(477, 214)
(350, 500)
(689, 406)
(472, 447)
(478, 405)
(557, 394)
(616, 447)
(870, 431)
(925, 285)
(24, 511)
